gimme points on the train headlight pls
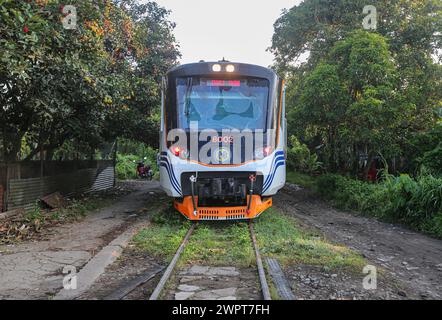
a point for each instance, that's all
(216, 68)
(261, 153)
(230, 68)
(179, 152)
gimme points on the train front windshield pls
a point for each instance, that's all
(222, 104)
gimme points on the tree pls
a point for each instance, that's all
(314, 26)
(391, 74)
(85, 85)
(324, 101)
(349, 102)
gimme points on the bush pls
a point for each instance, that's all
(299, 157)
(126, 166)
(432, 160)
(434, 225)
(302, 179)
(413, 202)
(425, 150)
(345, 193)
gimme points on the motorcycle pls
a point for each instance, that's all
(144, 172)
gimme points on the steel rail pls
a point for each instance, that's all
(127, 288)
(160, 286)
(261, 272)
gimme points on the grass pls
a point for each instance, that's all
(164, 235)
(301, 179)
(80, 208)
(415, 202)
(75, 210)
(229, 244)
(279, 236)
(220, 244)
(212, 243)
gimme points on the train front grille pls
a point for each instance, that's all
(216, 214)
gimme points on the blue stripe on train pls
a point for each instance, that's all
(278, 155)
(278, 161)
(278, 164)
(165, 163)
(172, 175)
(166, 160)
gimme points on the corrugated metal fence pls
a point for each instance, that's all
(26, 182)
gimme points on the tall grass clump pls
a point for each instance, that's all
(415, 202)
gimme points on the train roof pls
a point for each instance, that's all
(205, 68)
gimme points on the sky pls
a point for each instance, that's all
(237, 30)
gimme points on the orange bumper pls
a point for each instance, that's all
(223, 213)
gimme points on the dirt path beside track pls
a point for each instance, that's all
(412, 260)
(33, 270)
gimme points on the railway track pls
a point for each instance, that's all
(131, 286)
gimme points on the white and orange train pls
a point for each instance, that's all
(222, 140)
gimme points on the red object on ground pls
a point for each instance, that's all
(372, 173)
(25, 29)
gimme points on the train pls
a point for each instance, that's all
(223, 137)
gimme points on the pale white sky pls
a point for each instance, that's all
(239, 30)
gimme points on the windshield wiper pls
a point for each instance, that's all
(187, 98)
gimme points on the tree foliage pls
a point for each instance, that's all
(362, 92)
(314, 26)
(300, 158)
(85, 85)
